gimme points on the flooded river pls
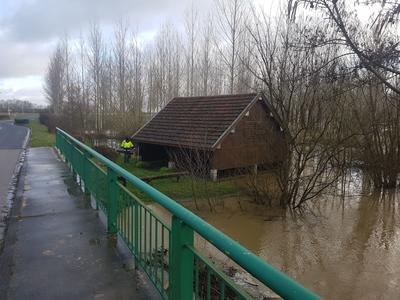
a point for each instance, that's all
(342, 248)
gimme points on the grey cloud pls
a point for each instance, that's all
(46, 19)
(29, 29)
(32, 94)
(21, 59)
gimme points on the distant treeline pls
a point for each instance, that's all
(20, 106)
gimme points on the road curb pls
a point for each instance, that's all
(27, 139)
(11, 194)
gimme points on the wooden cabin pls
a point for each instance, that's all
(214, 133)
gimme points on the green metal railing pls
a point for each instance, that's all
(166, 250)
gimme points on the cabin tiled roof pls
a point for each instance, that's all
(194, 122)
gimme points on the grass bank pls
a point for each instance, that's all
(40, 137)
(187, 187)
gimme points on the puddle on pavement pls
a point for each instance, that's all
(95, 242)
(48, 253)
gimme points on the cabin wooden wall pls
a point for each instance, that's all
(257, 140)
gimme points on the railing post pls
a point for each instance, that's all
(69, 152)
(86, 175)
(182, 260)
(112, 198)
(73, 162)
(60, 143)
(137, 228)
(57, 140)
(65, 146)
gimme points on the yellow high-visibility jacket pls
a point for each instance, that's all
(126, 145)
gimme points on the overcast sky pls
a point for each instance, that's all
(30, 29)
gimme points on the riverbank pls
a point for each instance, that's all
(187, 187)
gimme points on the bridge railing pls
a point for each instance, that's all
(165, 249)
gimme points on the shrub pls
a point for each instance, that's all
(21, 121)
(111, 154)
(50, 121)
(142, 164)
(44, 118)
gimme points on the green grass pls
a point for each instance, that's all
(186, 188)
(40, 137)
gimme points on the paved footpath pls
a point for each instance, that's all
(56, 246)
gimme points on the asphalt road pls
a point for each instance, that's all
(12, 140)
(12, 136)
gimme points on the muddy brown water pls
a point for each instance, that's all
(341, 248)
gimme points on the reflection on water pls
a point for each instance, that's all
(342, 248)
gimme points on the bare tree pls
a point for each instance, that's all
(164, 68)
(206, 57)
(197, 163)
(96, 65)
(136, 81)
(84, 110)
(377, 115)
(230, 18)
(191, 25)
(381, 57)
(120, 51)
(298, 87)
(54, 81)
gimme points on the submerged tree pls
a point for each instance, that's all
(377, 116)
(299, 86)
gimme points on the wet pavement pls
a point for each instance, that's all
(56, 246)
